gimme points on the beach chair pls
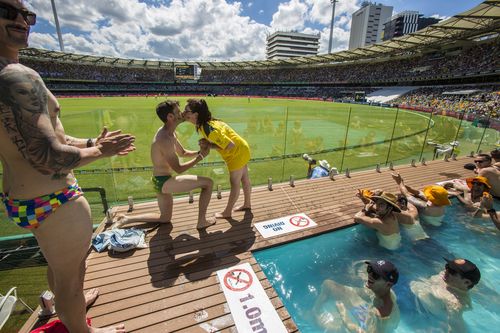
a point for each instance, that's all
(7, 305)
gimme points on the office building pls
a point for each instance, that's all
(404, 23)
(367, 24)
(282, 45)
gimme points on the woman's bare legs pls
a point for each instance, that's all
(247, 191)
(235, 178)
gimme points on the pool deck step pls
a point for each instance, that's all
(171, 286)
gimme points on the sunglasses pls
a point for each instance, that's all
(9, 12)
(371, 272)
(479, 161)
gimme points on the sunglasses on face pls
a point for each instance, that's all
(371, 272)
(9, 12)
(479, 161)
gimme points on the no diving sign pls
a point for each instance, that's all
(238, 279)
(284, 225)
(299, 221)
(251, 309)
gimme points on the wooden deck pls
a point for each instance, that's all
(172, 285)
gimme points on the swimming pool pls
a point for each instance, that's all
(297, 270)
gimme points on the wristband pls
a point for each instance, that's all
(90, 143)
(201, 155)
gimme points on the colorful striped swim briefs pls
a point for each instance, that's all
(30, 213)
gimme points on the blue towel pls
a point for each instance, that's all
(120, 240)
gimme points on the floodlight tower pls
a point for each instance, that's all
(58, 28)
(331, 25)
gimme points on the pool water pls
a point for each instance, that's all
(297, 270)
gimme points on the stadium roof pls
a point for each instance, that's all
(478, 22)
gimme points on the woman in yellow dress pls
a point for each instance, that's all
(233, 149)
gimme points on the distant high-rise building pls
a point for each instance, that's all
(368, 24)
(405, 23)
(282, 45)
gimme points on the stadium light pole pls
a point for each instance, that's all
(58, 28)
(331, 25)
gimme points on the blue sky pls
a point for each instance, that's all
(202, 29)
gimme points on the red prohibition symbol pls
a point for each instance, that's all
(299, 221)
(238, 279)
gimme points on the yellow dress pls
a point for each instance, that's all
(221, 134)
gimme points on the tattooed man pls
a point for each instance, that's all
(39, 189)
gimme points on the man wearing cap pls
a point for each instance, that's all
(484, 168)
(374, 307)
(447, 293)
(430, 202)
(379, 215)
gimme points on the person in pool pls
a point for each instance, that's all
(477, 187)
(370, 309)
(446, 295)
(430, 202)
(408, 218)
(379, 214)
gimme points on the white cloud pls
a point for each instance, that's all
(441, 17)
(182, 29)
(290, 16)
(321, 10)
(203, 29)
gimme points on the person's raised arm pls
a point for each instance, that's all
(487, 204)
(372, 222)
(173, 160)
(182, 152)
(91, 142)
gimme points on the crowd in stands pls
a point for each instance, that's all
(78, 71)
(322, 92)
(477, 59)
(472, 101)
(472, 61)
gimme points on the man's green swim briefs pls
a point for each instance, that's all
(158, 182)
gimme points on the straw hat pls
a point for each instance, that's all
(390, 198)
(478, 179)
(436, 194)
(325, 164)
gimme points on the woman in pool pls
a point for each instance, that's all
(233, 149)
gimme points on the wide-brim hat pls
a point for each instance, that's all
(390, 198)
(479, 179)
(436, 194)
(325, 164)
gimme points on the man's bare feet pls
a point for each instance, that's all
(90, 296)
(111, 329)
(242, 208)
(205, 224)
(222, 215)
(121, 220)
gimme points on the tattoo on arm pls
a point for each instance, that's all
(24, 115)
(76, 142)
